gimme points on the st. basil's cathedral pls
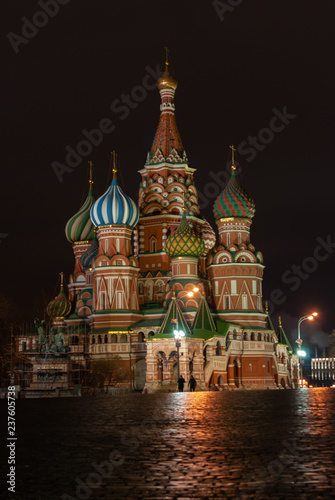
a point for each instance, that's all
(143, 270)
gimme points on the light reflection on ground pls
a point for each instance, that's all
(255, 444)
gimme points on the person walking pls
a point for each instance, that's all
(192, 383)
(181, 382)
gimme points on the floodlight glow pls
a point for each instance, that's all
(310, 317)
(301, 353)
(190, 294)
(314, 314)
(178, 334)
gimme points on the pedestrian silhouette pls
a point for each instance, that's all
(192, 383)
(181, 382)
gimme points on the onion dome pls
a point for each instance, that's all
(184, 242)
(60, 306)
(233, 201)
(166, 81)
(88, 256)
(114, 207)
(208, 236)
(80, 227)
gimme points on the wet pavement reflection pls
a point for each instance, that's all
(243, 445)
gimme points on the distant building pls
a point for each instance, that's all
(323, 372)
(143, 270)
(331, 345)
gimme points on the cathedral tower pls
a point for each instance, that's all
(235, 268)
(115, 272)
(167, 184)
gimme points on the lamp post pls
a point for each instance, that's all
(178, 334)
(299, 341)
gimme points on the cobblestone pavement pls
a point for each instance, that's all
(234, 445)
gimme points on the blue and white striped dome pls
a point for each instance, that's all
(114, 207)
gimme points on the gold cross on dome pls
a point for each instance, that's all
(114, 164)
(166, 57)
(233, 157)
(61, 280)
(91, 170)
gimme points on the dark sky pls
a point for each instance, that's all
(235, 75)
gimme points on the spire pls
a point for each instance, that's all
(91, 175)
(167, 145)
(203, 319)
(169, 324)
(282, 338)
(114, 156)
(233, 167)
(61, 281)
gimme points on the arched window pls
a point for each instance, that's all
(218, 349)
(228, 239)
(150, 289)
(141, 288)
(244, 301)
(140, 337)
(93, 339)
(99, 339)
(113, 338)
(106, 338)
(153, 248)
(239, 238)
(123, 337)
(103, 300)
(226, 302)
(74, 340)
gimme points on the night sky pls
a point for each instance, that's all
(236, 77)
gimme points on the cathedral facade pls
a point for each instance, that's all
(145, 270)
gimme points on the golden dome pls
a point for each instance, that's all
(166, 81)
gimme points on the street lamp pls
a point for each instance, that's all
(299, 341)
(178, 335)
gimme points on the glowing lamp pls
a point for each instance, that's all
(178, 334)
(301, 353)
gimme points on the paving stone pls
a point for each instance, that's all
(229, 445)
